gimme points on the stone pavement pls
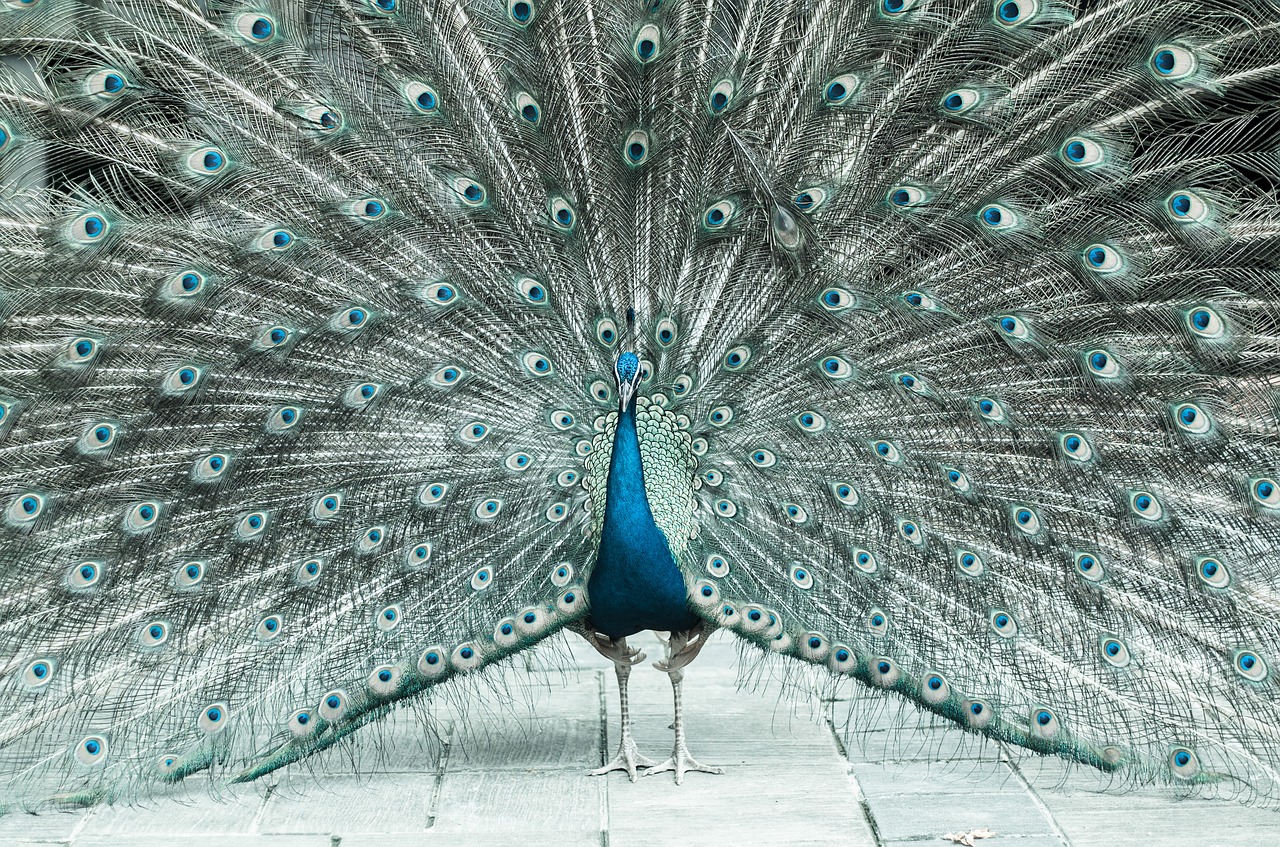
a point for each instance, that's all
(516, 774)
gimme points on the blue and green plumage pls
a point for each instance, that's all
(635, 584)
(955, 324)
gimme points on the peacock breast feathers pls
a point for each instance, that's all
(668, 457)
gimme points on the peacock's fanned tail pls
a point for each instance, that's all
(308, 314)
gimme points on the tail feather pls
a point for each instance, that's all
(968, 310)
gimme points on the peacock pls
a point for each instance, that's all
(350, 348)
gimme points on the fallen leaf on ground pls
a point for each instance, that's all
(967, 838)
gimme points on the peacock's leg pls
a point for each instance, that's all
(628, 757)
(682, 648)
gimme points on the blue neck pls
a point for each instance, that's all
(626, 495)
(635, 583)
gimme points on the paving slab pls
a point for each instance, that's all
(504, 760)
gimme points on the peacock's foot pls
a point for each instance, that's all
(682, 763)
(628, 759)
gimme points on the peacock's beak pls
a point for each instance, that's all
(626, 391)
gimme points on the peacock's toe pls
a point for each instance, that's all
(628, 759)
(682, 763)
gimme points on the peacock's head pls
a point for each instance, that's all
(627, 370)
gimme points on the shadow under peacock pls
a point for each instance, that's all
(348, 348)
